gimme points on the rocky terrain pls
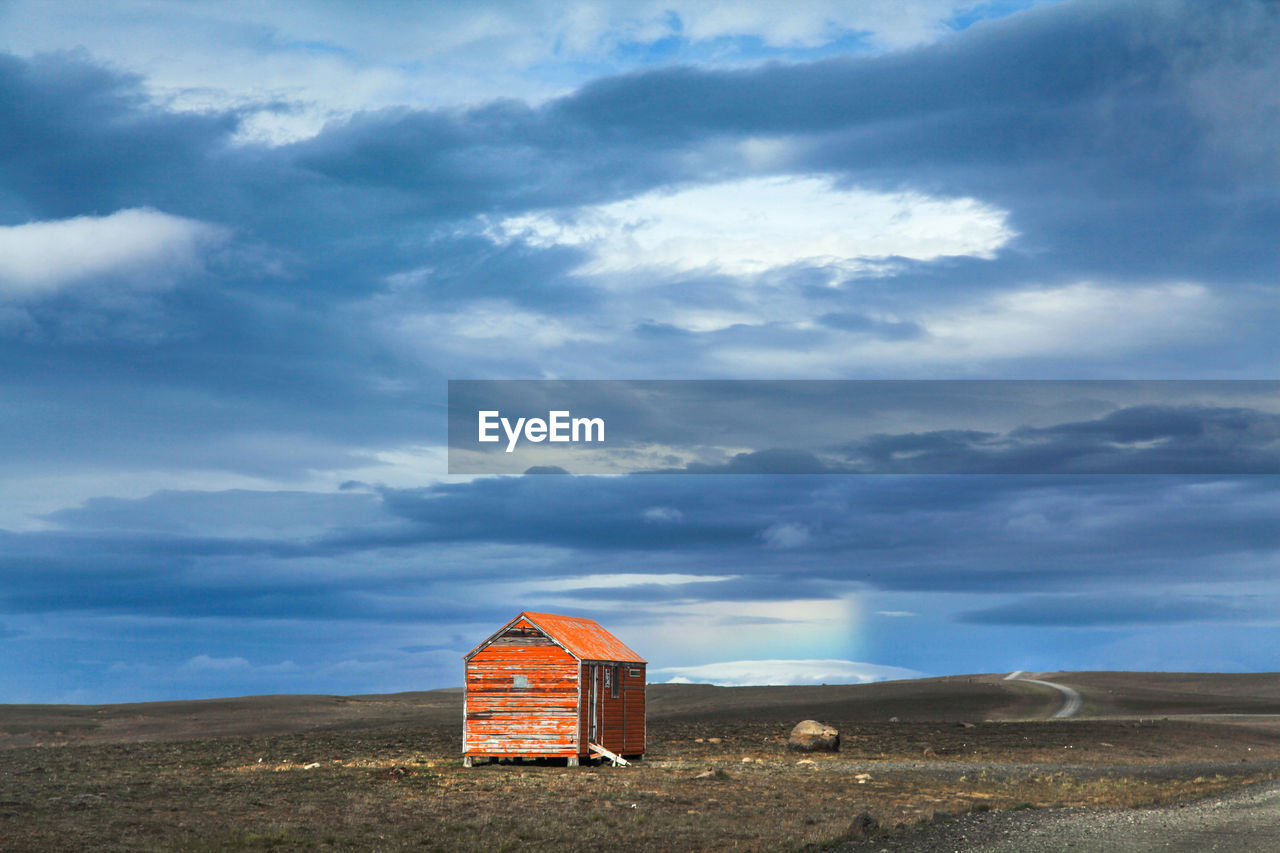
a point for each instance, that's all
(963, 761)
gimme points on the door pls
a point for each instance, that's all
(593, 703)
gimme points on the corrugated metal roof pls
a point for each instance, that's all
(584, 638)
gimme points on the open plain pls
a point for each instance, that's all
(929, 760)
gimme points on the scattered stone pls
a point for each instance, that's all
(894, 720)
(807, 762)
(715, 740)
(863, 825)
(85, 800)
(812, 736)
(862, 778)
(312, 766)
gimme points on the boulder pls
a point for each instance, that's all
(863, 825)
(812, 736)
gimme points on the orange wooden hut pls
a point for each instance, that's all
(545, 685)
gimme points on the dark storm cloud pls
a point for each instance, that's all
(1053, 100)
(577, 513)
(80, 139)
(1093, 124)
(888, 330)
(1135, 440)
(1106, 127)
(1117, 608)
(1100, 128)
(407, 554)
(1129, 144)
(1138, 440)
(913, 533)
(229, 512)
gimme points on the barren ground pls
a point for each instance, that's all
(384, 772)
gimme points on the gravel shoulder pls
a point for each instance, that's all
(1244, 820)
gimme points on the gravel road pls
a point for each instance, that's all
(1071, 698)
(1247, 820)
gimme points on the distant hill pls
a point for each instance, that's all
(965, 698)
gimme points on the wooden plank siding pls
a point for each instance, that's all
(634, 725)
(540, 686)
(521, 700)
(615, 722)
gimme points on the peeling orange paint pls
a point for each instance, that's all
(549, 685)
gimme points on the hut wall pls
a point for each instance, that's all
(614, 719)
(521, 697)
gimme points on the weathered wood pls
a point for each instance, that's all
(546, 685)
(618, 760)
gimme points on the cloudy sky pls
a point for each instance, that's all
(244, 248)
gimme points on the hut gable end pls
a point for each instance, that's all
(522, 635)
(521, 694)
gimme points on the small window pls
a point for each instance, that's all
(635, 673)
(613, 694)
(519, 681)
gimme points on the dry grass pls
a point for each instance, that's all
(401, 786)
(383, 772)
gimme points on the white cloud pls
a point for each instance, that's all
(212, 664)
(742, 673)
(1054, 321)
(660, 514)
(785, 536)
(610, 581)
(756, 224)
(1085, 321)
(802, 628)
(490, 326)
(216, 664)
(146, 247)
